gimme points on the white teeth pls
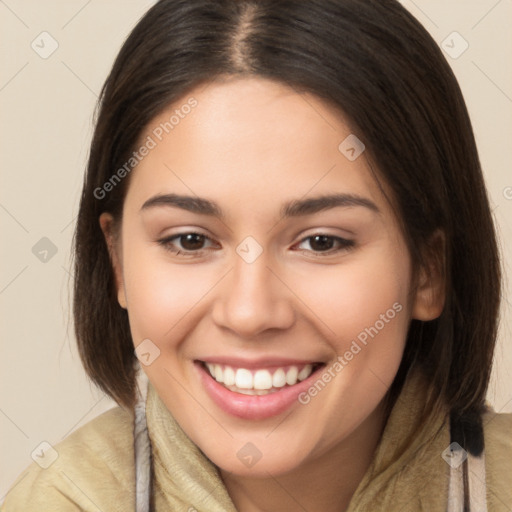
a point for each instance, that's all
(258, 392)
(260, 381)
(291, 375)
(243, 379)
(219, 374)
(229, 376)
(305, 372)
(279, 378)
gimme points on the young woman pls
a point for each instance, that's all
(286, 272)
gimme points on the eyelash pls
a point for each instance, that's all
(167, 244)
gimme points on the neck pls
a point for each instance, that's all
(325, 483)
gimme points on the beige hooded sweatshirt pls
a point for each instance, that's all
(95, 468)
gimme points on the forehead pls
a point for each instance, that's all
(251, 144)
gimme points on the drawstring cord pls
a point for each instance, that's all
(467, 488)
(142, 449)
(466, 485)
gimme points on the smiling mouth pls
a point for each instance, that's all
(262, 381)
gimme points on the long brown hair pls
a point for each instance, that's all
(375, 62)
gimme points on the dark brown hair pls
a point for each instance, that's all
(375, 62)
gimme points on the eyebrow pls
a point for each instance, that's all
(294, 208)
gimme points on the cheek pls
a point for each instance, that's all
(160, 295)
(352, 296)
(365, 303)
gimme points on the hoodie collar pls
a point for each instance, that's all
(407, 471)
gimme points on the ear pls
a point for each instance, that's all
(107, 226)
(429, 295)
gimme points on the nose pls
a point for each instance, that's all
(253, 300)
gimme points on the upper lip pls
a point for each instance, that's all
(266, 362)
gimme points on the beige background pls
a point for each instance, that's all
(46, 123)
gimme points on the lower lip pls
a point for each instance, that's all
(253, 407)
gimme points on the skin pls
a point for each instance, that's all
(250, 145)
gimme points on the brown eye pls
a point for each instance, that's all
(187, 244)
(192, 241)
(321, 242)
(325, 244)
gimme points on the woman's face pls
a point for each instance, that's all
(254, 246)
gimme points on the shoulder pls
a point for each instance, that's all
(86, 471)
(498, 459)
